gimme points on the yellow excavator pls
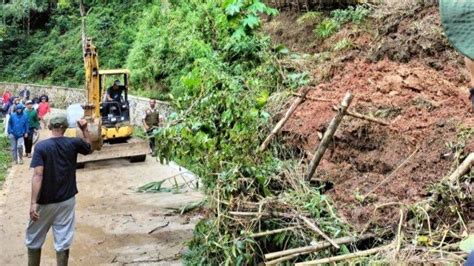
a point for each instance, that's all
(108, 119)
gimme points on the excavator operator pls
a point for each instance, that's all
(114, 93)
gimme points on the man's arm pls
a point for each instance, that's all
(82, 124)
(36, 118)
(145, 126)
(36, 182)
(109, 98)
(10, 131)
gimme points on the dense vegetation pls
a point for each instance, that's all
(211, 61)
(225, 81)
(5, 155)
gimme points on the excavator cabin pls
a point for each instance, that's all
(115, 108)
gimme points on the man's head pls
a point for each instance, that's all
(19, 108)
(116, 84)
(29, 104)
(58, 122)
(152, 103)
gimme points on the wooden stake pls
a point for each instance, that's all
(317, 230)
(313, 248)
(328, 136)
(365, 117)
(344, 257)
(282, 122)
(312, 98)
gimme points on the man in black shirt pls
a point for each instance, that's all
(54, 189)
(114, 93)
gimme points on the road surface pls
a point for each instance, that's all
(113, 222)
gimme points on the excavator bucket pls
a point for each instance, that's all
(134, 149)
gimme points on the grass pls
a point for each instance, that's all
(5, 158)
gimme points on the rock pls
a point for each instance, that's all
(394, 93)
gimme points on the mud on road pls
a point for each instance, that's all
(113, 222)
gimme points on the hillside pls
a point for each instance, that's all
(232, 69)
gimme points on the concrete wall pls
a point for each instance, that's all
(61, 97)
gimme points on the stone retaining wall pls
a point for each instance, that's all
(61, 97)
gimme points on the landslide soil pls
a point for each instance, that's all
(406, 74)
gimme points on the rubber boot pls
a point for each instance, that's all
(62, 257)
(34, 257)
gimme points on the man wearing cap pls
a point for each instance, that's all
(54, 189)
(114, 93)
(457, 17)
(33, 124)
(17, 131)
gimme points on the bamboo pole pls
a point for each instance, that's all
(365, 117)
(451, 179)
(315, 228)
(328, 136)
(344, 257)
(313, 248)
(272, 232)
(282, 122)
(462, 169)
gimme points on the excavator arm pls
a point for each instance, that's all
(91, 107)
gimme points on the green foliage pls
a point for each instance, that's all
(343, 44)
(355, 15)
(320, 208)
(338, 18)
(210, 247)
(327, 28)
(296, 80)
(310, 17)
(5, 155)
(53, 53)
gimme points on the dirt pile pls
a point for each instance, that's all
(401, 69)
(425, 111)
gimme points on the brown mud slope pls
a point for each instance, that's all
(425, 111)
(408, 76)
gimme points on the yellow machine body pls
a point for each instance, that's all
(109, 140)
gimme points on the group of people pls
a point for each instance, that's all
(23, 116)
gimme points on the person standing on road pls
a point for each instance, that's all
(43, 109)
(33, 124)
(24, 94)
(6, 96)
(17, 132)
(457, 17)
(54, 188)
(151, 121)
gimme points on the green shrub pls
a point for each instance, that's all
(355, 15)
(310, 17)
(343, 44)
(327, 28)
(5, 155)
